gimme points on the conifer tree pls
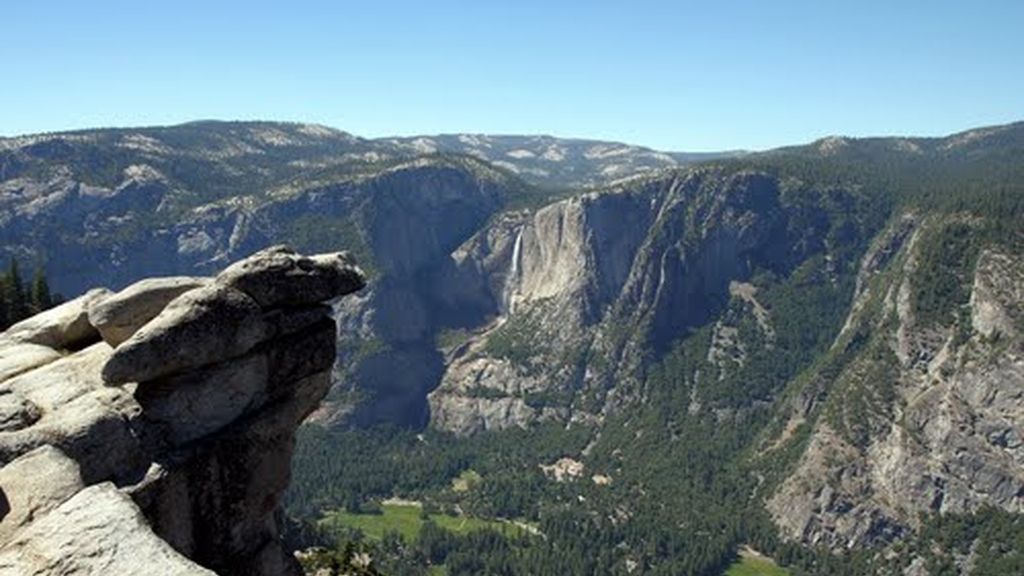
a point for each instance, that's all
(19, 300)
(40, 298)
(5, 312)
(17, 306)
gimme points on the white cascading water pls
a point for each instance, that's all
(512, 282)
(515, 252)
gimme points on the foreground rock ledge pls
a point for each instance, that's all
(151, 431)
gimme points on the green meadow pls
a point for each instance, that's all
(755, 566)
(407, 520)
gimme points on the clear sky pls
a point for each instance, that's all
(678, 75)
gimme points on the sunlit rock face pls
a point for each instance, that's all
(941, 433)
(150, 431)
(585, 290)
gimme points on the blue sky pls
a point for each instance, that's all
(672, 75)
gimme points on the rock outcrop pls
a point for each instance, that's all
(924, 416)
(150, 431)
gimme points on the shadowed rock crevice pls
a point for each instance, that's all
(151, 431)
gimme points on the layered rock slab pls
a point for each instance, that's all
(151, 431)
(121, 315)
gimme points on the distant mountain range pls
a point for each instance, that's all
(285, 147)
(564, 162)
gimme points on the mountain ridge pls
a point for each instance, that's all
(263, 134)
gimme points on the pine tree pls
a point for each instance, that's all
(40, 298)
(17, 306)
(5, 312)
(19, 300)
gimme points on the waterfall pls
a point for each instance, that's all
(515, 253)
(512, 282)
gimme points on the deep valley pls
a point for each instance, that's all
(645, 362)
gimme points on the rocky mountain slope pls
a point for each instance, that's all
(848, 308)
(151, 430)
(602, 283)
(169, 214)
(925, 409)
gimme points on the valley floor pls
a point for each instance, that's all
(408, 518)
(753, 563)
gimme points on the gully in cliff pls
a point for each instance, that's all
(150, 431)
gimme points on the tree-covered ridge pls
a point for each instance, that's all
(979, 171)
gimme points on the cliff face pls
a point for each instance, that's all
(589, 290)
(921, 410)
(150, 431)
(549, 277)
